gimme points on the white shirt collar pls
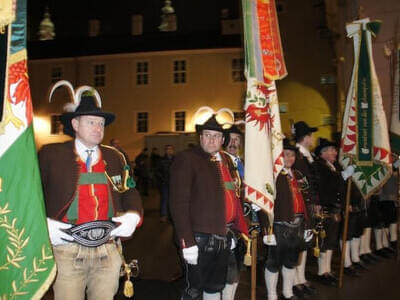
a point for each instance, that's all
(306, 153)
(289, 171)
(81, 150)
(331, 165)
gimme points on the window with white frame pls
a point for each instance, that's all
(99, 75)
(237, 70)
(180, 120)
(142, 73)
(142, 122)
(56, 74)
(179, 71)
(56, 127)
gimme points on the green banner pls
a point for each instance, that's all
(364, 105)
(26, 261)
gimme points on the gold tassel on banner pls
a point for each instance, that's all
(128, 284)
(247, 257)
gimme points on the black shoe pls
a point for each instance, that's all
(360, 266)
(351, 271)
(333, 278)
(294, 297)
(298, 291)
(366, 259)
(389, 250)
(382, 253)
(308, 289)
(372, 257)
(325, 279)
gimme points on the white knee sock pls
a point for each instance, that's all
(347, 260)
(287, 282)
(228, 293)
(393, 232)
(214, 296)
(355, 250)
(385, 237)
(378, 238)
(328, 261)
(365, 243)
(321, 263)
(271, 281)
(300, 277)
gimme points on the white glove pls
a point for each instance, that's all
(269, 240)
(308, 234)
(256, 208)
(57, 236)
(128, 224)
(233, 244)
(349, 171)
(396, 164)
(191, 254)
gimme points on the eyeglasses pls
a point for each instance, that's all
(210, 136)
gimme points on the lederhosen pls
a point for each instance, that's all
(210, 273)
(331, 187)
(356, 216)
(288, 227)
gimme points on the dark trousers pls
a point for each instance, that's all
(288, 244)
(209, 275)
(164, 194)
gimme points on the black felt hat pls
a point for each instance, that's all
(233, 129)
(323, 143)
(210, 124)
(301, 129)
(287, 145)
(86, 107)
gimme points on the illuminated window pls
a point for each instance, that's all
(142, 122)
(56, 74)
(99, 75)
(180, 120)
(56, 127)
(142, 73)
(237, 70)
(179, 71)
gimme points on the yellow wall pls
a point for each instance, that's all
(209, 83)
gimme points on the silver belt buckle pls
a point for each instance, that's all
(92, 234)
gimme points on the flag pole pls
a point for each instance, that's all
(253, 264)
(398, 215)
(345, 230)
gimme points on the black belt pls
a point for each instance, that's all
(92, 234)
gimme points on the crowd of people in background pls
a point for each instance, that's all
(310, 195)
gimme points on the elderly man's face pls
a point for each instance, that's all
(211, 141)
(234, 143)
(89, 129)
(289, 157)
(329, 154)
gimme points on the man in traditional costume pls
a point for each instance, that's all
(233, 138)
(386, 225)
(89, 204)
(303, 135)
(331, 194)
(290, 216)
(205, 209)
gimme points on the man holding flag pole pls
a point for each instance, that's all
(264, 63)
(365, 139)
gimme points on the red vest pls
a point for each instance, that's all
(233, 208)
(298, 202)
(92, 199)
